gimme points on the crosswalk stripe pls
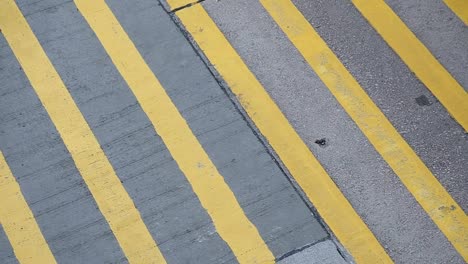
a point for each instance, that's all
(101, 179)
(460, 8)
(18, 221)
(418, 179)
(417, 57)
(214, 194)
(304, 167)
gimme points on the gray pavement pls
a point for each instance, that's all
(76, 230)
(7, 255)
(441, 31)
(376, 193)
(437, 139)
(321, 253)
(65, 210)
(52, 186)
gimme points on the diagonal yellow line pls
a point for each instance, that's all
(417, 57)
(418, 179)
(460, 8)
(304, 167)
(180, 3)
(19, 223)
(101, 179)
(214, 194)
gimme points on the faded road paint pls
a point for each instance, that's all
(387, 141)
(304, 167)
(214, 194)
(106, 188)
(19, 223)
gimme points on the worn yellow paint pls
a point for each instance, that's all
(214, 194)
(304, 167)
(418, 179)
(106, 188)
(19, 223)
(417, 57)
(460, 8)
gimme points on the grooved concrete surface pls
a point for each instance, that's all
(67, 213)
(5, 249)
(65, 210)
(376, 193)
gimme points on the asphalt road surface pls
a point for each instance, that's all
(233, 131)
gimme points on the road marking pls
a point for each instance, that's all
(460, 8)
(304, 167)
(18, 221)
(418, 179)
(180, 3)
(417, 57)
(214, 194)
(106, 188)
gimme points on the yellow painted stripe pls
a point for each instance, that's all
(435, 200)
(460, 8)
(106, 188)
(214, 194)
(180, 3)
(18, 221)
(304, 167)
(417, 57)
